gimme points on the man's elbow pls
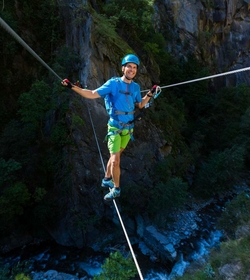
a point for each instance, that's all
(138, 105)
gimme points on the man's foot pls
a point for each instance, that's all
(114, 192)
(107, 183)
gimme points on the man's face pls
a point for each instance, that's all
(129, 70)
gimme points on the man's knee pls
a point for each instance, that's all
(115, 162)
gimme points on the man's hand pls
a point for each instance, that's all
(67, 83)
(155, 89)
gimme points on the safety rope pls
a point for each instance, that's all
(13, 33)
(21, 41)
(204, 78)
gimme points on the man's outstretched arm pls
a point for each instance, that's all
(90, 94)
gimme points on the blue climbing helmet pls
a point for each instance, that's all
(130, 58)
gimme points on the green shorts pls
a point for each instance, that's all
(119, 140)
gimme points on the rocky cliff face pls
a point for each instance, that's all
(217, 32)
(90, 154)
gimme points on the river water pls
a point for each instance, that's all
(85, 263)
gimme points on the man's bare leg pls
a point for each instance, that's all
(114, 165)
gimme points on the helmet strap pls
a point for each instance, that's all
(127, 78)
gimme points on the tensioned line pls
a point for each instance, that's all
(204, 78)
(21, 41)
(117, 210)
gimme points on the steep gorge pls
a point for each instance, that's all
(216, 32)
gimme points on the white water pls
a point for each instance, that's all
(41, 262)
(202, 248)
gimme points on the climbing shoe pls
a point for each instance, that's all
(107, 183)
(114, 192)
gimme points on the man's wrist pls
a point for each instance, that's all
(148, 95)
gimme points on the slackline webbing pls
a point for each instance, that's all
(13, 33)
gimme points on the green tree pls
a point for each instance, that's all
(117, 267)
(7, 170)
(14, 195)
(135, 16)
(13, 200)
(34, 106)
(166, 197)
(236, 214)
(221, 172)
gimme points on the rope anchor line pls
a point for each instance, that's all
(21, 41)
(205, 78)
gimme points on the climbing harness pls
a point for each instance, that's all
(110, 101)
(13, 33)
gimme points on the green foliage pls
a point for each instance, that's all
(7, 170)
(39, 194)
(8, 49)
(59, 134)
(77, 121)
(232, 251)
(135, 16)
(223, 112)
(167, 196)
(34, 105)
(204, 273)
(220, 172)
(170, 118)
(117, 267)
(18, 271)
(14, 195)
(236, 214)
(65, 61)
(107, 36)
(35, 140)
(19, 68)
(13, 200)
(47, 31)
(230, 105)
(22, 276)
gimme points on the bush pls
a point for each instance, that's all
(236, 213)
(165, 197)
(116, 267)
(221, 172)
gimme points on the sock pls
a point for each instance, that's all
(107, 179)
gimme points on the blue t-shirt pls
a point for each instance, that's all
(122, 95)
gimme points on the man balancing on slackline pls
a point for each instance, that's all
(121, 95)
